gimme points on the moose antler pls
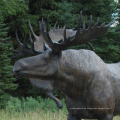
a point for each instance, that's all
(80, 37)
(38, 43)
(24, 49)
(56, 34)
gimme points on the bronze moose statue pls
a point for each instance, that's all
(91, 86)
(44, 86)
(57, 35)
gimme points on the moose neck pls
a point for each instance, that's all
(76, 70)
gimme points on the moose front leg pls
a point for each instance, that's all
(47, 88)
(107, 117)
(72, 117)
(51, 96)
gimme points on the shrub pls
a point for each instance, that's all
(31, 104)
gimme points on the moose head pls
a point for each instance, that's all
(80, 74)
(45, 62)
(38, 47)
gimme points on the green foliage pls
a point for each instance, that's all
(31, 104)
(25, 89)
(6, 77)
(16, 14)
(14, 104)
(108, 47)
(61, 12)
(13, 7)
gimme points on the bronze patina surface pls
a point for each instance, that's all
(91, 86)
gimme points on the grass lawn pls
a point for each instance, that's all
(30, 115)
(35, 115)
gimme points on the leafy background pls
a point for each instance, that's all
(14, 15)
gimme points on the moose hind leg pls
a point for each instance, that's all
(107, 117)
(57, 101)
(72, 117)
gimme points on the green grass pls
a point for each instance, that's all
(34, 109)
(30, 115)
(35, 115)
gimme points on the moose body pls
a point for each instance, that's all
(95, 94)
(90, 85)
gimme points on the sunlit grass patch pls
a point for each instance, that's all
(36, 115)
(30, 115)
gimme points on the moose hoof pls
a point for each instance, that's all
(59, 104)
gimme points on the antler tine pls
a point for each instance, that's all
(42, 20)
(81, 37)
(64, 26)
(84, 25)
(65, 37)
(102, 25)
(16, 56)
(19, 43)
(24, 49)
(65, 34)
(31, 29)
(90, 24)
(47, 25)
(32, 43)
(30, 38)
(79, 21)
(58, 27)
(55, 26)
(78, 26)
(110, 23)
(47, 32)
(17, 51)
(46, 35)
(25, 42)
(90, 45)
(97, 22)
(43, 23)
(34, 52)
